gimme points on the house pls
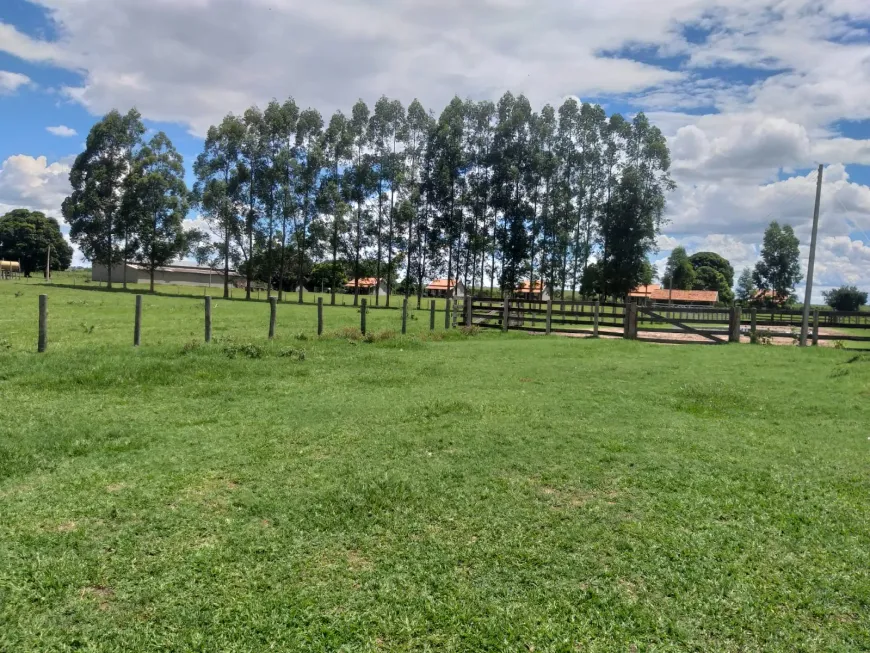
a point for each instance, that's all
(536, 293)
(367, 286)
(445, 288)
(769, 297)
(654, 293)
(177, 273)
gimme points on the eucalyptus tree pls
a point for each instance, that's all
(97, 178)
(156, 202)
(217, 184)
(309, 132)
(284, 124)
(448, 161)
(361, 182)
(549, 166)
(419, 125)
(253, 173)
(270, 180)
(397, 131)
(590, 188)
(337, 149)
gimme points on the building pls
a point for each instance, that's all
(367, 286)
(176, 274)
(536, 293)
(9, 269)
(770, 297)
(655, 294)
(445, 288)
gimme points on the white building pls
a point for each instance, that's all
(176, 274)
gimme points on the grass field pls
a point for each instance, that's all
(456, 492)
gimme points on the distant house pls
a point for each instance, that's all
(445, 288)
(177, 274)
(367, 286)
(536, 293)
(770, 297)
(654, 293)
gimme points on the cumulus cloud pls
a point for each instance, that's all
(10, 82)
(33, 183)
(62, 131)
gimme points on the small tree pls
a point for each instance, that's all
(708, 278)
(845, 298)
(779, 269)
(679, 274)
(713, 260)
(746, 289)
(25, 236)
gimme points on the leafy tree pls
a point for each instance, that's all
(845, 298)
(746, 289)
(97, 178)
(361, 180)
(679, 273)
(253, 174)
(779, 269)
(715, 261)
(709, 278)
(216, 191)
(155, 203)
(309, 133)
(25, 236)
(337, 149)
(329, 274)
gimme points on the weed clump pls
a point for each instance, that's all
(293, 354)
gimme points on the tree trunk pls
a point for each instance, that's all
(380, 223)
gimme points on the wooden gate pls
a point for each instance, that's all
(656, 315)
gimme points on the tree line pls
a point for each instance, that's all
(490, 194)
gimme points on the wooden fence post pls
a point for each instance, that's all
(734, 330)
(596, 311)
(469, 311)
(432, 315)
(454, 317)
(506, 314)
(320, 316)
(446, 312)
(208, 318)
(549, 316)
(273, 316)
(816, 328)
(404, 315)
(753, 320)
(362, 316)
(137, 322)
(42, 344)
(626, 321)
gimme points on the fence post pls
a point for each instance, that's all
(273, 316)
(431, 314)
(137, 322)
(208, 318)
(596, 310)
(42, 344)
(320, 316)
(455, 310)
(446, 312)
(506, 314)
(753, 320)
(549, 316)
(469, 311)
(362, 316)
(734, 331)
(626, 320)
(816, 328)
(404, 315)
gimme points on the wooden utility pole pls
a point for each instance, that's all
(48, 263)
(805, 325)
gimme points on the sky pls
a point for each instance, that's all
(753, 95)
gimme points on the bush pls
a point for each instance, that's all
(845, 298)
(379, 336)
(292, 354)
(191, 346)
(761, 337)
(247, 349)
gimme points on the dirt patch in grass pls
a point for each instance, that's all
(98, 593)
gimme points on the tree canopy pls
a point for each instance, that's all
(845, 298)
(25, 236)
(779, 270)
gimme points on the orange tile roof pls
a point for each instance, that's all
(644, 291)
(524, 287)
(368, 282)
(441, 284)
(703, 296)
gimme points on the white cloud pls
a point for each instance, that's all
(33, 183)
(62, 131)
(10, 82)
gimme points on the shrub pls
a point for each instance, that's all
(348, 333)
(191, 346)
(247, 349)
(379, 336)
(761, 337)
(292, 354)
(471, 330)
(845, 298)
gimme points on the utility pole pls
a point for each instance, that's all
(809, 290)
(48, 263)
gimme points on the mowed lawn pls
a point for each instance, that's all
(446, 493)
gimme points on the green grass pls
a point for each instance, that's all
(472, 493)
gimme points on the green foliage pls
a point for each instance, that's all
(845, 298)
(679, 272)
(746, 289)
(779, 269)
(93, 210)
(25, 236)
(712, 260)
(708, 278)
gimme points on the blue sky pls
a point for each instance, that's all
(752, 94)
